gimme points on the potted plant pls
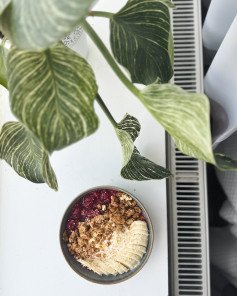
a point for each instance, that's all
(52, 89)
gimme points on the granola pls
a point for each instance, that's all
(91, 239)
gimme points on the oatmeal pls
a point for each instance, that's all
(106, 229)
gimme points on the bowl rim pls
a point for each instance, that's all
(151, 234)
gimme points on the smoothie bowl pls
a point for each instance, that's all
(106, 235)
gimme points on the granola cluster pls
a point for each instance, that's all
(90, 238)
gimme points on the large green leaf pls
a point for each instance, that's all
(135, 166)
(169, 3)
(3, 5)
(184, 115)
(3, 64)
(37, 24)
(24, 153)
(140, 40)
(52, 92)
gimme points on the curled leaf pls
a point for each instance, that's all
(135, 166)
(130, 125)
(127, 145)
(140, 168)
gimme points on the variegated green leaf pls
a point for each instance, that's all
(3, 64)
(185, 116)
(38, 24)
(140, 168)
(135, 166)
(52, 92)
(171, 49)
(48, 173)
(140, 40)
(169, 3)
(130, 125)
(127, 145)
(186, 149)
(225, 162)
(24, 153)
(3, 5)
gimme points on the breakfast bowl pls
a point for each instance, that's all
(106, 235)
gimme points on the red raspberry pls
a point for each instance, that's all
(89, 200)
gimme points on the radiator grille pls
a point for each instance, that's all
(187, 203)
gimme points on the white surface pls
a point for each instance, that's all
(31, 262)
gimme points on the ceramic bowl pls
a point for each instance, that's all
(88, 274)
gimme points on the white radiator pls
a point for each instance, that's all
(187, 195)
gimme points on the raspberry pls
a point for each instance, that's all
(96, 193)
(91, 214)
(76, 211)
(83, 212)
(86, 208)
(71, 225)
(88, 200)
(112, 192)
(104, 197)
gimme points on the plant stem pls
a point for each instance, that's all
(107, 55)
(101, 13)
(106, 110)
(4, 39)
